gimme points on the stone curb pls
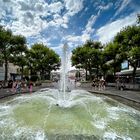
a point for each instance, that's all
(127, 98)
(12, 94)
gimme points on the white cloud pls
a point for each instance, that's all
(2, 7)
(27, 16)
(107, 32)
(39, 7)
(44, 40)
(72, 38)
(86, 34)
(105, 7)
(56, 7)
(121, 6)
(73, 6)
(58, 48)
(89, 29)
(76, 39)
(60, 21)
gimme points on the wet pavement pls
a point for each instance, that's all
(127, 94)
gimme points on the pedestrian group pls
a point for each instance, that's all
(19, 86)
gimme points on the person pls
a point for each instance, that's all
(96, 83)
(122, 85)
(10, 83)
(93, 83)
(30, 86)
(102, 84)
(14, 86)
(23, 85)
(117, 82)
(18, 87)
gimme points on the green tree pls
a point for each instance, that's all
(87, 57)
(5, 44)
(129, 42)
(19, 50)
(30, 62)
(43, 59)
(104, 67)
(112, 55)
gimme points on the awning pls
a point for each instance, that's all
(128, 72)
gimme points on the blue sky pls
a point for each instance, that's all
(54, 22)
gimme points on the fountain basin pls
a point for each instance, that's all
(45, 115)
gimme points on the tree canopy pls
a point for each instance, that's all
(39, 58)
(129, 42)
(43, 59)
(87, 56)
(5, 45)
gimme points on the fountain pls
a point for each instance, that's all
(64, 69)
(60, 115)
(62, 101)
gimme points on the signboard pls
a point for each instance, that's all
(125, 65)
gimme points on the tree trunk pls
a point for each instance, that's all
(31, 71)
(134, 74)
(6, 70)
(6, 65)
(49, 75)
(114, 71)
(97, 71)
(90, 74)
(22, 68)
(86, 74)
(114, 68)
(104, 75)
(134, 65)
(42, 74)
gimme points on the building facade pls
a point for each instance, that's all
(127, 72)
(12, 71)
